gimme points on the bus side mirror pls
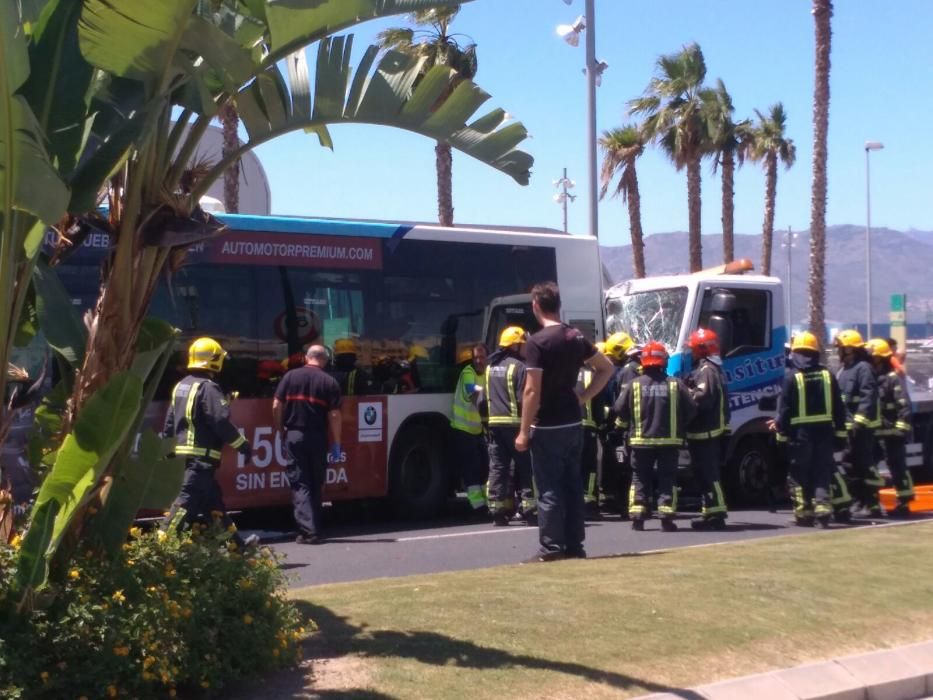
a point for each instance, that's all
(767, 404)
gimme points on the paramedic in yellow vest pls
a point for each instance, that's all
(199, 420)
(467, 429)
(505, 383)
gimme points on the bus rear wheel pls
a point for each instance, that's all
(418, 478)
(751, 477)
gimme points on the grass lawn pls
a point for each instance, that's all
(621, 626)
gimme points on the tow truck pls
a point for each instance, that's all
(747, 313)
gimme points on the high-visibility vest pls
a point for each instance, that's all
(584, 379)
(465, 415)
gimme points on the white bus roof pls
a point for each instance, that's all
(647, 284)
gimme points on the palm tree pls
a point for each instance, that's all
(726, 139)
(439, 47)
(769, 144)
(230, 122)
(621, 148)
(672, 107)
(822, 16)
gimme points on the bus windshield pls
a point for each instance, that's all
(655, 315)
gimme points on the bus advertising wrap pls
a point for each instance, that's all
(327, 252)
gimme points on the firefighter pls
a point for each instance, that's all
(895, 423)
(594, 410)
(505, 383)
(654, 408)
(199, 420)
(708, 429)
(811, 419)
(467, 425)
(860, 395)
(352, 380)
(617, 473)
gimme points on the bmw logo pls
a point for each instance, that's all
(369, 415)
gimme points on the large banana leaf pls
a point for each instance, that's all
(57, 316)
(391, 94)
(99, 431)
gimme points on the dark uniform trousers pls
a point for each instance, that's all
(589, 461)
(862, 480)
(200, 494)
(704, 458)
(306, 469)
(895, 454)
(644, 462)
(509, 472)
(810, 468)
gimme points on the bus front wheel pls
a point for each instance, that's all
(751, 477)
(418, 480)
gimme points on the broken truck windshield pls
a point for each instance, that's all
(655, 315)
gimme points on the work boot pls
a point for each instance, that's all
(668, 525)
(901, 510)
(875, 512)
(638, 524)
(704, 523)
(308, 539)
(843, 515)
(805, 520)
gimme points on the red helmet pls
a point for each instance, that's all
(654, 354)
(703, 343)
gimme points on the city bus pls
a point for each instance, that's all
(414, 297)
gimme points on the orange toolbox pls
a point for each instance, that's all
(922, 502)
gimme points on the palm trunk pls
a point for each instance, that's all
(694, 205)
(634, 216)
(230, 121)
(822, 16)
(767, 230)
(728, 206)
(445, 196)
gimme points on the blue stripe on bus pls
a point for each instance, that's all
(320, 227)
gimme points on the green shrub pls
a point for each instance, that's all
(175, 611)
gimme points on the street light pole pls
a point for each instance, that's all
(869, 146)
(591, 76)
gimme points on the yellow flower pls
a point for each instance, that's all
(16, 541)
(147, 676)
(161, 534)
(169, 571)
(248, 619)
(118, 597)
(148, 661)
(112, 691)
(74, 574)
(245, 584)
(135, 532)
(44, 676)
(231, 528)
(231, 545)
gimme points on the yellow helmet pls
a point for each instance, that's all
(511, 336)
(804, 341)
(618, 344)
(879, 347)
(346, 346)
(600, 346)
(206, 353)
(850, 339)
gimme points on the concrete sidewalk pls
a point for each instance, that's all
(905, 673)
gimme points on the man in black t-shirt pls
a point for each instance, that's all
(550, 403)
(306, 405)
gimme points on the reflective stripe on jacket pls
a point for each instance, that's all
(465, 415)
(655, 408)
(584, 379)
(860, 395)
(199, 419)
(708, 389)
(505, 382)
(896, 413)
(810, 397)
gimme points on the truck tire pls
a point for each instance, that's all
(752, 477)
(418, 475)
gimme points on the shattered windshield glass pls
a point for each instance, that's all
(654, 315)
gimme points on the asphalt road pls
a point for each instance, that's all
(359, 552)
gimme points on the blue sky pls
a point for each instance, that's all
(881, 66)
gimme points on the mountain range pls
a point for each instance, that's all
(902, 262)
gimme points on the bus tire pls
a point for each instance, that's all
(752, 478)
(418, 476)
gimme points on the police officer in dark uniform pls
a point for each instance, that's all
(505, 383)
(811, 419)
(353, 381)
(860, 394)
(706, 431)
(896, 417)
(655, 409)
(199, 420)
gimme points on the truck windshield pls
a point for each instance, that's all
(654, 315)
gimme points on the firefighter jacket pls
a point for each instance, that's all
(860, 395)
(353, 382)
(466, 415)
(622, 377)
(810, 397)
(656, 409)
(895, 405)
(199, 419)
(708, 389)
(505, 382)
(594, 410)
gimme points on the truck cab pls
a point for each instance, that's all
(747, 313)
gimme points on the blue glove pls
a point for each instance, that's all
(335, 452)
(470, 388)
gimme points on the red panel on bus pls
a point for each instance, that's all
(360, 472)
(324, 252)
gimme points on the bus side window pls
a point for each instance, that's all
(741, 317)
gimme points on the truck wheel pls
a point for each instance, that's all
(751, 477)
(418, 478)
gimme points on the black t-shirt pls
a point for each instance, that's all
(559, 351)
(308, 394)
